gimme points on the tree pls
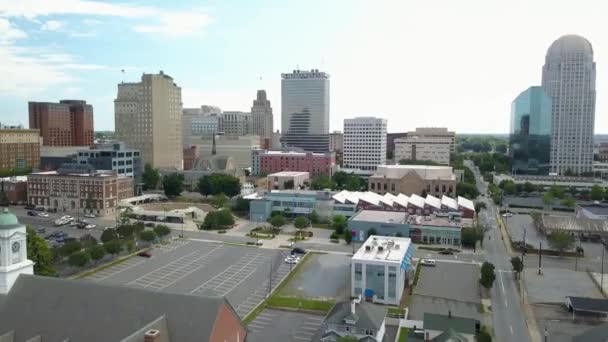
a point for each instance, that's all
(470, 236)
(79, 259)
(87, 240)
(161, 231)
(348, 236)
(147, 236)
(501, 148)
(568, 202)
(597, 193)
(479, 206)
(278, 221)
(322, 183)
(314, 217)
(97, 252)
(339, 223)
(70, 248)
(242, 205)
(113, 247)
(219, 219)
(126, 231)
(518, 265)
(467, 190)
(557, 191)
(220, 200)
(288, 184)
(529, 187)
(301, 222)
(219, 183)
(130, 246)
(372, 231)
(173, 184)
(547, 199)
(417, 162)
(487, 275)
(150, 177)
(109, 235)
(38, 251)
(561, 240)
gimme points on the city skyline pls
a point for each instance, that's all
(61, 52)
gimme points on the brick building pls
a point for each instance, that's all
(413, 179)
(15, 189)
(190, 154)
(67, 123)
(267, 162)
(74, 188)
(19, 148)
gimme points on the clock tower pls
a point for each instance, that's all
(13, 251)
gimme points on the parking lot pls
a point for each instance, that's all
(240, 273)
(285, 326)
(331, 270)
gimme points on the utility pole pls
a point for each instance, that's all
(270, 279)
(540, 256)
(602, 279)
(523, 250)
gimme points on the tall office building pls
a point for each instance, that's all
(364, 143)
(67, 123)
(148, 117)
(198, 123)
(19, 148)
(261, 116)
(305, 110)
(530, 132)
(569, 79)
(234, 123)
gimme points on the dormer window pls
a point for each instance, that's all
(349, 321)
(369, 332)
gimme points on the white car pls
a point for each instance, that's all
(43, 215)
(90, 226)
(292, 259)
(428, 262)
(90, 215)
(507, 215)
(67, 218)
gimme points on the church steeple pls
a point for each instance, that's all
(13, 251)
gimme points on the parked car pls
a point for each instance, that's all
(29, 207)
(428, 262)
(67, 217)
(39, 208)
(446, 252)
(41, 230)
(90, 215)
(144, 254)
(51, 210)
(298, 250)
(68, 239)
(90, 226)
(31, 213)
(59, 239)
(507, 215)
(292, 259)
(43, 214)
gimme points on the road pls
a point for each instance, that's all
(508, 314)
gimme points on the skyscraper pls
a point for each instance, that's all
(569, 79)
(364, 143)
(530, 132)
(148, 117)
(261, 116)
(67, 123)
(305, 110)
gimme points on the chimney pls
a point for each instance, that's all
(427, 337)
(152, 336)
(352, 306)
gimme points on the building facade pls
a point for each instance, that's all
(261, 116)
(117, 157)
(413, 179)
(190, 155)
(15, 189)
(13, 253)
(530, 132)
(266, 162)
(364, 143)
(427, 148)
(197, 124)
(235, 124)
(287, 180)
(305, 110)
(569, 79)
(148, 117)
(19, 148)
(290, 203)
(436, 132)
(240, 148)
(78, 188)
(67, 123)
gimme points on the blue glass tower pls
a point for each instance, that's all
(530, 133)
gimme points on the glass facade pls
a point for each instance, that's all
(530, 132)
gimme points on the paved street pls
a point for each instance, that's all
(508, 315)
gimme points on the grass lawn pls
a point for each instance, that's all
(278, 301)
(394, 311)
(403, 334)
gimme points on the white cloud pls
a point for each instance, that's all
(52, 25)
(92, 22)
(177, 24)
(83, 34)
(8, 32)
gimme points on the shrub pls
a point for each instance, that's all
(334, 236)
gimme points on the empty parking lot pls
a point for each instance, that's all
(285, 326)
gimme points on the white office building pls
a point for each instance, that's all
(381, 268)
(234, 123)
(569, 79)
(196, 123)
(364, 146)
(421, 147)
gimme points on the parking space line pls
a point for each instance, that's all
(234, 275)
(301, 338)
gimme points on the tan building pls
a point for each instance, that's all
(19, 148)
(78, 188)
(148, 117)
(420, 147)
(413, 179)
(287, 180)
(261, 116)
(435, 132)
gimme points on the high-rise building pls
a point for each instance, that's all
(569, 79)
(234, 123)
(364, 143)
(19, 148)
(67, 123)
(261, 116)
(436, 132)
(305, 110)
(336, 141)
(427, 148)
(148, 117)
(116, 156)
(198, 123)
(530, 133)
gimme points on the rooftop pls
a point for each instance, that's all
(289, 174)
(384, 248)
(427, 172)
(366, 316)
(600, 209)
(294, 153)
(445, 322)
(589, 304)
(380, 216)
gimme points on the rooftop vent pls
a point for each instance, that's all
(368, 248)
(380, 248)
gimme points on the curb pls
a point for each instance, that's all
(100, 268)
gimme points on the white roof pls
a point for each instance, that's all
(417, 201)
(402, 200)
(433, 201)
(289, 174)
(449, 202)
(393, 254)
(388, 199)
(467, 203)
(427, 172)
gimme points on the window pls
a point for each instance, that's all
(358, 272)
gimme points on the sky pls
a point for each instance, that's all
(455, 64)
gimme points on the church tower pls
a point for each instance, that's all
(13, 251)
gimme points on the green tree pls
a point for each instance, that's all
(70, 248)
(557, 191)
(561, 240)
(314, 217)
(322, 183)
(597, 193)
(242, 205)
(219, 219)
(518, 265)
(467, 190)
(417, 162)
(479, 206)
(113, 247)
(487, 275)
(87, 240)
(508, 187)
(147, 236)
(173, 184)
(161, 231)
(501, 148)
(79, 259)
(529, 187)
(220, 200)
(568, 202)
(372, 231)
(150, 177)
(470, 236)
(96, 252)
(278, 221)
(109, 235)
(38, 251)
(301, 222)
(126, 231)
(219, 183)
(130, 246)
(339, 223)
(483, 335)
(547, 199)
(348, 236)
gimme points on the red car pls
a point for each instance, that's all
(144, 254)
